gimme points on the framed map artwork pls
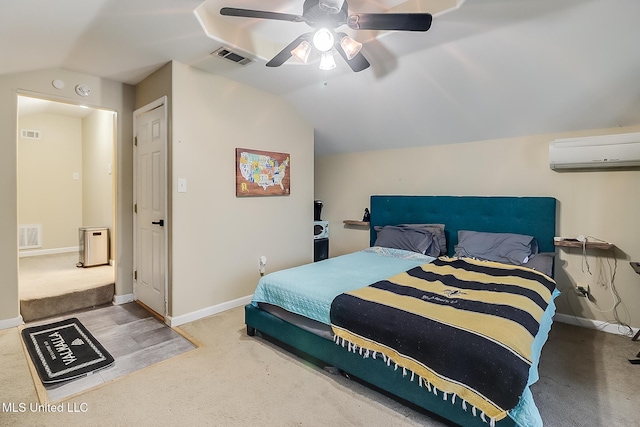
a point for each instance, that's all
(262, 173)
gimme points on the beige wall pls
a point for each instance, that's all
(98, 171)
(597, 203)
(104, 94)
(48, 193)
(216, 239)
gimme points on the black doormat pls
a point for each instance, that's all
(64, 350)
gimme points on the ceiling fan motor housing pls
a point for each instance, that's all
(316, 17)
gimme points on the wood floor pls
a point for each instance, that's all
(133, 336)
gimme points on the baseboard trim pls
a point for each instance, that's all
(122, 299)
(591, 324)
(11, 323)
(209, 311)
(38, 252)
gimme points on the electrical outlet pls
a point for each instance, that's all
(582, 290)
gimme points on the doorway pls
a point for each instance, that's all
(66, 181)
(151, 204)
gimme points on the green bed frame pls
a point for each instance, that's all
(525, 215)
(372, 371)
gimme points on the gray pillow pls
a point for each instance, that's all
(438, 235)
(542, 262)
(439, 245)
(508, 248)
(406, 238)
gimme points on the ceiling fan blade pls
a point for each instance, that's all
(390, 21)
(357, 63)
(249, 13)
(285, 53)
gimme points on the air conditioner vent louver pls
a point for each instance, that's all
(227, 53)
(30, 134)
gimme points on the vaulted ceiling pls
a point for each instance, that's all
(486, 69)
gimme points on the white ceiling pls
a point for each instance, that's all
(487, 69)
(28, 105)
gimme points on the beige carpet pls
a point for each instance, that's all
(235, 380)
(51, 285)
(57, 274)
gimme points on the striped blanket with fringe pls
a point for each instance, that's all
(463, 326)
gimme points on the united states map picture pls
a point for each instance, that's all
(262, 173)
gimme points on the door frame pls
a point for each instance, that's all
(114, 243)
(158, 103)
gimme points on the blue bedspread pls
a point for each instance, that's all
(309, 289)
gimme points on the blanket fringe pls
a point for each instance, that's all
(366, 353)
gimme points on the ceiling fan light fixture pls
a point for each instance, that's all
(331, 6)
(323, 40)
(302, 51)
(350, 46)
(326, 15)
(327, 62)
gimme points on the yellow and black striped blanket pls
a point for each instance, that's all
(462, 326)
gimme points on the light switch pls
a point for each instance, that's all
(76, 175)
(182, 185)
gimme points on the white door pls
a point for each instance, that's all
(150, 228)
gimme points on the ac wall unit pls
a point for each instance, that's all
(607, 151)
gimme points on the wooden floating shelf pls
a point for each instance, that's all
(356, 223)
(588, 245)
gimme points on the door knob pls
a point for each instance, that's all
(160, 222)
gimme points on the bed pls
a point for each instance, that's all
(329, 310)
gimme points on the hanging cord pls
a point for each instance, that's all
(585, 261)
(615, 297)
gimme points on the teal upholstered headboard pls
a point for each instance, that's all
(533, 216)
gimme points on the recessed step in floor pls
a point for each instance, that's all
(50, 306)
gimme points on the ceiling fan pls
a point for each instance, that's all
(324, 16)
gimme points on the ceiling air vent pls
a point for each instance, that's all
(226, 53)
(30, 134)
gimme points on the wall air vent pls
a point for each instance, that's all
(226, 53)
(30, 134)
(29, 236)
